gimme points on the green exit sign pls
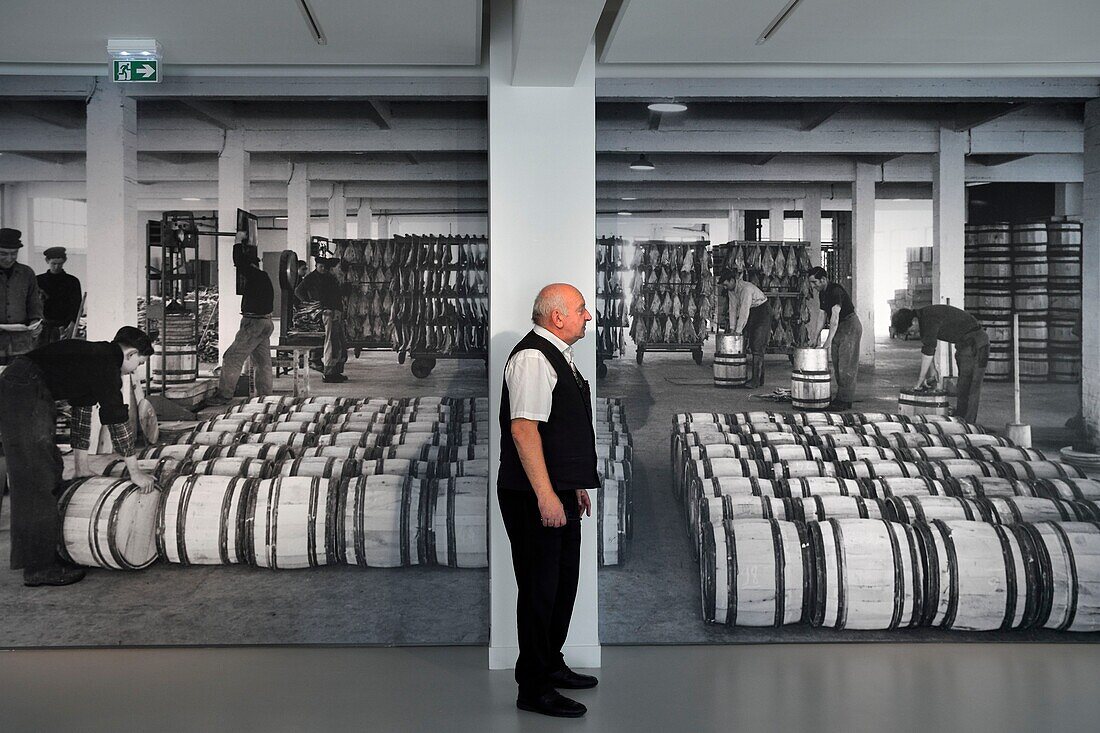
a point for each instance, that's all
(144, 70)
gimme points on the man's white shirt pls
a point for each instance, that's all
(531, 379)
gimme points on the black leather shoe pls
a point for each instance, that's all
(334, 378)
(839, 406)
(552, 703)
(567, 679)
(53, 575)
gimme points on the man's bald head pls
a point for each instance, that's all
(560, 309)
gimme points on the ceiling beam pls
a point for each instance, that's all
(468, 84)
(996, 160)
(815, 115)
(48, 113)
(967, 116)
(218, 114)
(378, 111)
(550, 39)
(654, 122)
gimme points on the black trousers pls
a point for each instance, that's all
(758, 329)
(546, 561)
(971, 357)
(27, 421)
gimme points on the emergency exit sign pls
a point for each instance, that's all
(136, 70)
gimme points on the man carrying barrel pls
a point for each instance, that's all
(85, 373)
(545, 471)
(955, 326)
(845, 334)
(751, 316)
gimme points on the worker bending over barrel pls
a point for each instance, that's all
(751, 316)
(955, 326)
(845, 334)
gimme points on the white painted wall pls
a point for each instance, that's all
(898, 226)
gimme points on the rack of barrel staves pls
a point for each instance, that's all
(279, 482)
(879, 521)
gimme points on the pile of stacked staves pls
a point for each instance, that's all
(440, 295)
(611, 316)
(672, 294)
(286, 483)
(874, 521)
(613, 501)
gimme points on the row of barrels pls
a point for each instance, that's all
(613, 502)
(879, 574)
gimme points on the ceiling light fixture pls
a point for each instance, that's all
(626, 213)
(642, 164)
(629, 198)
(190, 198)
(311, 21)
(777, 21)
(667, 107)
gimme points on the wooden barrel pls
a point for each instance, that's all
(700, 491)
(243, 467)
(735, 507)
(819, 486)
(913, 440)
(273, 399)
(354, 439)
(610, 523)
(914, 508)
(810, 380)
(868, 574)
(320, 467)
(382, 517)
(173, 364)
(798, 468)
(707, 467)
(755, 572)
(1006, 453)
(893, 427)
(867, 452)
(292, 523)
(319, 409)
(1064, 365)
(819, 507)
(922, 403)
(1076, 489)
(1034, 341)
(879, 469)
(386, 467)
(614, 452)
(998, 326)
(960, 467)
(898, 486)
(180, 452)
(863, 418)
(1021, 509)
(346, 452)
(453, 469)
(979, 487)
(817, 432)
(987, 268)
(934, 453)
(265, 451)
(293, 442)
(109, 523)
(795, 452)
(981, 577)
(254, 408)
(731, 370)
(851, 439)
(162, 469)
(201, 520)
(1029, 256)
(1030, 470)
(212, 438)
(976, 440)
(1069, 560)
(816, 418)
(456, 528)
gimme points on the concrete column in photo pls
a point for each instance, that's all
(114, 241)
(1090, 273)
(383, 227)
(363, 217)
(298, 210)
(1068, 199)
(338, 213)
(863, 257)
(948, 226)
(811, 225)
(775, 222)
(542, 204)
(736, 225)
(233, 181)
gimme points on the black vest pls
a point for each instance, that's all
(568, 438)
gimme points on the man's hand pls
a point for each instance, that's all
(551, 511)
(144, 481)
(35, 327)
(584, 502)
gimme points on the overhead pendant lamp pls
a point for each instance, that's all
(641, 164)
(666, 107)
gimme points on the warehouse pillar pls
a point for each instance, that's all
(298, 211)
(1090, 273)
(233, 179)
(363, 220)
(775, 222)
(811, 225)
(863, 257)
(383, 227)
(114, 241)
(1068, 199)
(736, 225)
(338, 213)
(542, 222)
(949, 218)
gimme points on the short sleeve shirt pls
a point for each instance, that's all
(531, 379)
(835, 294)
(944, 323)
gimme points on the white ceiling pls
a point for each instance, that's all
(359, 32)
(857, 32)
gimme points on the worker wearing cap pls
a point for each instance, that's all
(61, 295)
(20, 300)
(321, 286)
(253, 339)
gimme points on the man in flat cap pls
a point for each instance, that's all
(20, 300)
(61, 294)
(321, 286)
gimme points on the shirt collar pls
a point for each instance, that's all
(562, 346)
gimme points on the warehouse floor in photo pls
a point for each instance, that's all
(175, 605)
(653, 596)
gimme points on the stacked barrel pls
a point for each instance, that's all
(988, 292)
(283, 483)
(876, 521)
(1064, 273)
(1030, 299)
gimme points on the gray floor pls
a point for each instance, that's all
(808, 687)
(170, 604)
(653, 597)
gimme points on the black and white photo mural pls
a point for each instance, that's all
(846, 374)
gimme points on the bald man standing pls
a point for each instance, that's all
(545, 471)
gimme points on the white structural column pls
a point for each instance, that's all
(338, 213)
(736, 225)
(811, 225)
(297, 211)
(383, 227)
(775, 222)
(542, 221)
(1090, 274)
(863, 257)
(1068, 199)
(114, 250)
(233, 181)
(363, 218)
(949, 218)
